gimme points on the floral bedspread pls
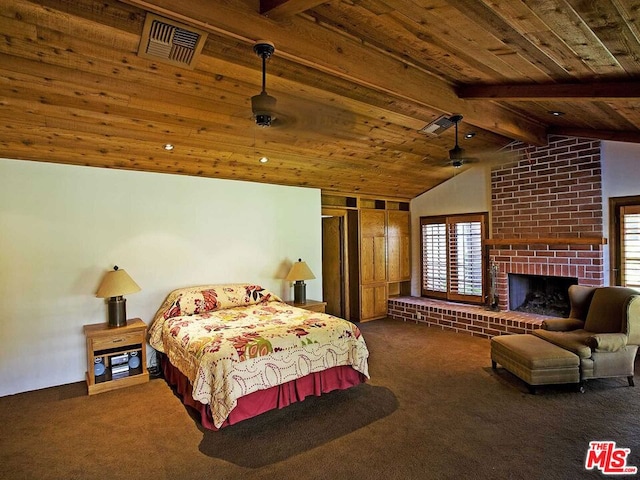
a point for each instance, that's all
(230, 351)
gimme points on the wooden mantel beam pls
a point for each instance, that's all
(547, 241)
(302, 41)
(561, 91)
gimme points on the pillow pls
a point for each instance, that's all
(209, 298)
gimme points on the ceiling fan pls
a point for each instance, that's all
(264, 106)
(292, 113)
(457, 156)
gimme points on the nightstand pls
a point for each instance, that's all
(116, 349)
(312, 305)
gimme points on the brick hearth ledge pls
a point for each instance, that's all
(470, 319)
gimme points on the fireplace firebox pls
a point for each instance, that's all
(540, 294)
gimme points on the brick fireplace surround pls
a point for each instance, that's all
(546, 219)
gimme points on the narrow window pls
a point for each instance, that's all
(624, 236)
(630, 245)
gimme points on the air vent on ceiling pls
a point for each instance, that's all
(438, 126)
(170, 42)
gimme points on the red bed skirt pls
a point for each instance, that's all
(336, 378)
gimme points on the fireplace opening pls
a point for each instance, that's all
(540, 294)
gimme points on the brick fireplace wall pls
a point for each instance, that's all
(547, 213)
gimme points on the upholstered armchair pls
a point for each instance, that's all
(603, 329)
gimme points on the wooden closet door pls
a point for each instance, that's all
(398, 246)
(373, 264)
(374, 302)
(373, 247)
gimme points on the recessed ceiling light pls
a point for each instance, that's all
(264, 159)
(470, 135)
(556, 113)
(168, 147)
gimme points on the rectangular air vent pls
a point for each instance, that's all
(438, 126)
(170, 42)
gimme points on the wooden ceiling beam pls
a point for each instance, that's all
(302, 41)
(279, 9)
(613, 135)
(561, 91)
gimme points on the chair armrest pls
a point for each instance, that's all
(607, 342)
(562, 324)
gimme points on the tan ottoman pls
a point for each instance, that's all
(535, 360)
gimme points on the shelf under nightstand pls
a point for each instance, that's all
(106, 343)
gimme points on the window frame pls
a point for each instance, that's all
(617, 205)
(450, 221)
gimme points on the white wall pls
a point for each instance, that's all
(620, 178)
(467, 192)
(62, 227)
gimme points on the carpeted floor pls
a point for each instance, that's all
(433, 409)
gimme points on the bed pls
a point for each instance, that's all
(235, 351)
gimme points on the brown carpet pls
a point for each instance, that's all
(433, 409)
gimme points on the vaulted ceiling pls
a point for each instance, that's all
(355, 82)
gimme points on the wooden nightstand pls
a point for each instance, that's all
(115, 348)
(312, 305)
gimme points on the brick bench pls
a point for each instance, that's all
(535, 360)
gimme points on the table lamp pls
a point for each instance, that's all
(115, 284)
(299, 273)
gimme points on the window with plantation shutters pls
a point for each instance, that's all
(630, 245)
(452, 257)
(434, 259)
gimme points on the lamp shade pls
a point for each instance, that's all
(300, 271)
(116, 283)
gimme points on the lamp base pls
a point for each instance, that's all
(117, 312)
(299, 292)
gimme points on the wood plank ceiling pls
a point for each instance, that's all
(355, 81)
